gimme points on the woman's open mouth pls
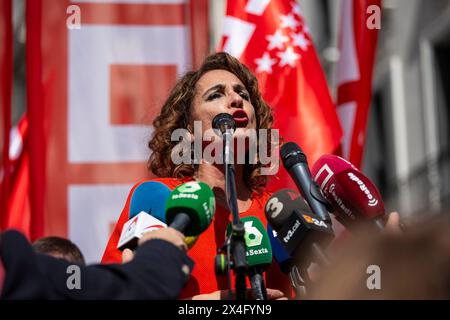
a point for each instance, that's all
(240, 118)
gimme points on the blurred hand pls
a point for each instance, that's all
(127, 255)
(393, 223)
(272, 294)
(168, 234)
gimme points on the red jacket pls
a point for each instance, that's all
(203, 279)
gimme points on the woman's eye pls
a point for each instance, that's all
(214, 95)
(245, 96)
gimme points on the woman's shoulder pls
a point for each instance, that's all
(170, 183)
(262, 195)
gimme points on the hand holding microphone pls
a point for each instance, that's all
(169, 234)
(189, 209)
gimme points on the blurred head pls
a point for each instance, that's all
(59, 248)
(412, 265)
(221, 85)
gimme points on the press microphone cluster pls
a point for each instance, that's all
(189, 208)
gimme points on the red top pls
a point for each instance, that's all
(203, 279)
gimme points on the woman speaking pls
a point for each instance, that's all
(221, 85)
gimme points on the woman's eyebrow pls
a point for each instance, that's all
(217, 86)
(239, 87)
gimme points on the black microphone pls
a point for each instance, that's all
(302, 233)
(295, 162)
(223, 122)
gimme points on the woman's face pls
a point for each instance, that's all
(220, 91)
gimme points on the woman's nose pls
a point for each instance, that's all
(236, 101)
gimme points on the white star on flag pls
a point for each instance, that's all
(277, 40)
(306, 29)
(300, 41)
(296, 9)
(265, 63)
(288, 57)
(288, 21)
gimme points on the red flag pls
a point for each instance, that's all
(358, 41)
(6, 61)
(18, 214)
(272, 39)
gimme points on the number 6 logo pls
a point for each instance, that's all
(189, 187)
(253, 237)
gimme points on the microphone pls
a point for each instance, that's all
(150, 197)
(301, 232)
(190, 208)
(353, 196)
(295, 162)
(258, 252)
(282, 258)
(147, 213)
(286, 263)
(134, 228)
(223, 122)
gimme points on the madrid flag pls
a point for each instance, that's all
(272, 39)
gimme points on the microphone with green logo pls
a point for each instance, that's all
(190, 208)
(258, 252)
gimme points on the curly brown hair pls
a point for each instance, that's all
(176, 113)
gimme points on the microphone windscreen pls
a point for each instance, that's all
(257, 242)
(282, 257)
(326, 166)
(281, 205)
(196, 199)
(291, 154)
(150, 197)
(353, 196)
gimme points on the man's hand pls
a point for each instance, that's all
(272, 294)
(167, 234)
(393, 224)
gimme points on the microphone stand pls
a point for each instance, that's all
(238, 230)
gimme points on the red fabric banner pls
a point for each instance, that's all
(97, 76)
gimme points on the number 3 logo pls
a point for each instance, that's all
(274, 206)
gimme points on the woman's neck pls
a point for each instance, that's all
(214, 176)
